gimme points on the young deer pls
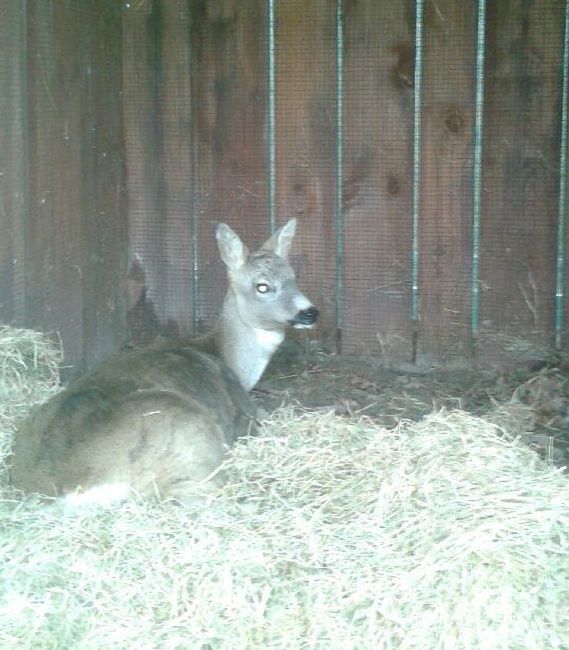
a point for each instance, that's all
(160, 420)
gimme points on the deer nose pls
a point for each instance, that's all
(306, 316)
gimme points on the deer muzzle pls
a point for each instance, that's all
(305, 318)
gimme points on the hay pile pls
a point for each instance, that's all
(332, 533)
(29, 374)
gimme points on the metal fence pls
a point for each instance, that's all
(422, 146)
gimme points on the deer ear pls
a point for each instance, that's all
(281, 240)
(233, 251)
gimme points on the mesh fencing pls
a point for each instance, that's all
(422, 147)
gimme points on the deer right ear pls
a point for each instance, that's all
(281, 240)
(233, 251)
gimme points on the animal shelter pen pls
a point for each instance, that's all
(422, 146)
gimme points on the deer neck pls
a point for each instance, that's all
(244, 348)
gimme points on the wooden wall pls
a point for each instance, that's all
(521, 167)
(201, 102)
(63, 248)
(169, 98)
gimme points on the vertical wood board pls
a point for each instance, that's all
(377, 192)
(13, 192)
(520, 171)
(445, 226)
(306, 145)
(229, 74)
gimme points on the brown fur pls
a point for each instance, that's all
(160, 420)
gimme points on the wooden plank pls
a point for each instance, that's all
(446, 171)
(13, 196)
(305, 145)
(75, 257)
(53, 262)
(104, 228)
(141, 75)
(195, 105)
(158, 128)
(177, 163)
(229, 73)
(520, 175)
(70, 263)
(378, 100)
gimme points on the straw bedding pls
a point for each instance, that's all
(331, 533)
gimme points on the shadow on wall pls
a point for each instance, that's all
(143, 323)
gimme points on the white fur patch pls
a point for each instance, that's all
(268, 340)
(100, 495)
(301, 302)
(251, 368)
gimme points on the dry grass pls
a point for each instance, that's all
(29, 374)
(332, 533)
(518, 349)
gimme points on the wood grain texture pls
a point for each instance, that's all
(520, 175)
(306, 145)
(54, 265)
(13, 163)
(104, 236)
(170, 98)
(158, 129)
(378, 98)
(65, 220)
(229, 73)
(445, 242)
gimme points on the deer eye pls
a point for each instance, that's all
(262, 287)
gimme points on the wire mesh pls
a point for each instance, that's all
(423, 148)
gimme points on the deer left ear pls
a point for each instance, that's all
(232, 250)
(281, 240)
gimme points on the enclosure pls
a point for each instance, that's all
(408, 484)
(422, 146)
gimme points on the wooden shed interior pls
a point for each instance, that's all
(422, 145)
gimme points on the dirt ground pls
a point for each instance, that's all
(312, 378)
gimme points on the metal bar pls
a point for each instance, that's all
(194, 225)
(271, 126)
(560, 266)
(23, 311)
(339, 171)
(418, 80)
(194, 204)
(477, 173)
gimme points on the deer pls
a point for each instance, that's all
(159, 421)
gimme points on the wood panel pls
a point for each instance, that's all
(378, 99)
(13, 195)
(158, 126)
(306, 145)
(445, 242)
(193, 110)
(54, 264)
(229, 71)
(74, 281)
(520, 175)
(104, 236)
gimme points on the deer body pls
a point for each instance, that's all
(160, 420)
